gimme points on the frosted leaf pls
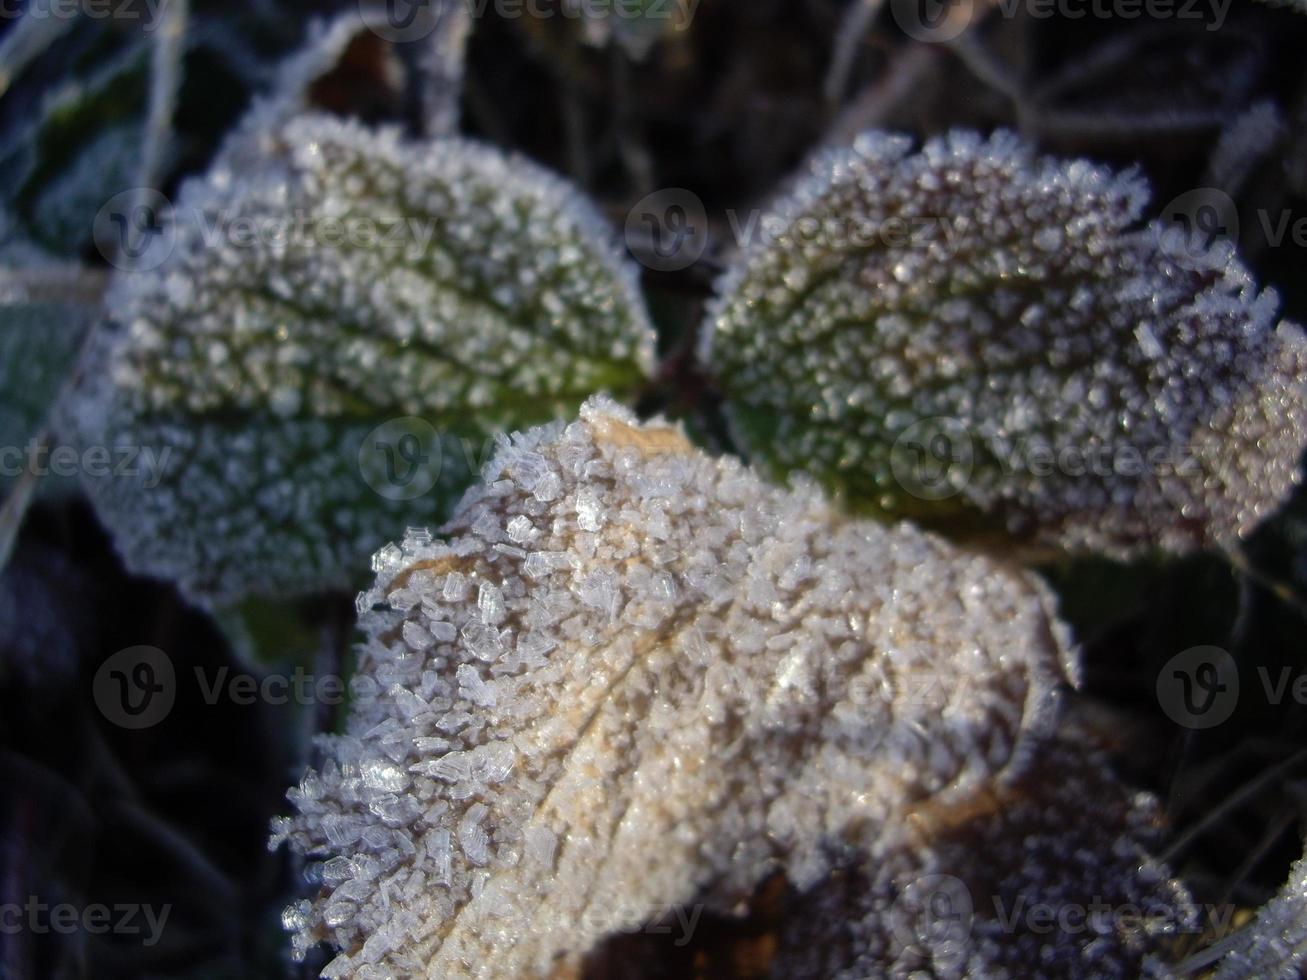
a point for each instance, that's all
(983, 340)
(345, 317)
(763, 685)
(973, 891)
(47, 308)
(1275, 943)
(39, 342)
(78, 143)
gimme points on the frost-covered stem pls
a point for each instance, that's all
(1275, 943)
(1246, 142)
(165, 82)
(15, 506)
(871, 107)
(442, 65)
(53, 284)
(26, 42)
(1282, 590)
(214, 884)
(578, 150)
(980, 61)
(1255, 857)
(1232, 802)
(1045, 123)
(1111, 52)
(635, 155)
(853, 28)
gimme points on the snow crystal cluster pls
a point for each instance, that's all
(631, 675)
(322, 279)
(1275, 944)
(970, 335)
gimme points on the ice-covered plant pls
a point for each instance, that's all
(632, 676)
(325, 279)
(629, 675)
(983, 339)
(1275, 943)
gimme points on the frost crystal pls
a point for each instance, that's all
(669, 718)
(328, 279)
(983, 890)
(981, 339)
(1275, 945)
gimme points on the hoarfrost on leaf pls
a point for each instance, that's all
(984, 340)
(661, 719)
(344, 320)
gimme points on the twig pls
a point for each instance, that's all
(26, 41)
(442, 65)
(853, 28)
(903, 77)
(165, 82)
(1232, 802)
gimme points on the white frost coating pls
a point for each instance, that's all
(470, 280)
(1109, 390)
(967, 897)
(328, 277)
(1275, 944)
(654, 716)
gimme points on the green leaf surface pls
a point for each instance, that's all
(323, 344)
(985, 341)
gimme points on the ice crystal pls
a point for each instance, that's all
(972, 892)
(1275, 944)
(983, 339)
(326, 278)
(670, 717)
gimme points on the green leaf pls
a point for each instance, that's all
(321, 345)
(987, 342)
(47, 309)
(78, 145)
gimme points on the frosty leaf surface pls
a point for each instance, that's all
(350, 280)
(77, 143)
(629, 675)
(965, 895)
(43, 322)
(987, 341)
(38, 348)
